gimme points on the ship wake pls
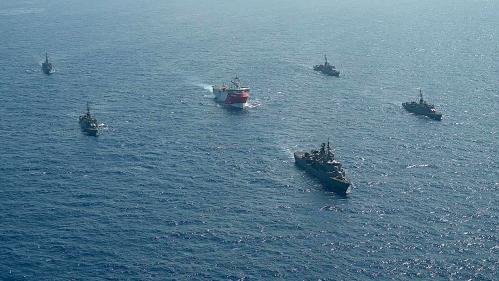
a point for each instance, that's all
(254, 103)
(207, 87)
(418, 166)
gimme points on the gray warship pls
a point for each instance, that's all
(327, 68)
(88, 123)
(323, 165)
(422, 108)
(47, 67)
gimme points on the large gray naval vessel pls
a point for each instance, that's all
(323, 165)
(88, 123)
(422, 108)
(47, 67)
(327, 68)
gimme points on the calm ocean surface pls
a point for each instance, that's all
(179, 188)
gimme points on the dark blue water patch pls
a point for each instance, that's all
(179, 187)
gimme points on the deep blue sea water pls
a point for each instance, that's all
(179, 188)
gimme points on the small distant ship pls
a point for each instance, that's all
(327, 68)
(422, 108)
(233, 95)
(323, 165)
(47, 67)
(88, 123)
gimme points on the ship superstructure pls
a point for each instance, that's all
(47, 67)
(327, 68)
(422, 108)
(323, 165)
(232, 94)
(88, 123)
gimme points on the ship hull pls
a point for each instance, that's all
(91, 132)
(47, 68)
(321, 69)
(333, 184)
(232, 99)
(88, 129)
(434, 116)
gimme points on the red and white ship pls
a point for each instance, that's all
(233, 94)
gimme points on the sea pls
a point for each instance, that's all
(178, 187)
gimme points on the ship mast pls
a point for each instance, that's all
(325, 58)
(330, 155)
(46, 58)
(420, 96)
(236, 82)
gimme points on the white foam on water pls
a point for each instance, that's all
(207, 87)
(418, 166)
(254, 103)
